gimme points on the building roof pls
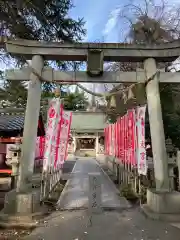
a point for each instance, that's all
(14, 122)
(11, 122)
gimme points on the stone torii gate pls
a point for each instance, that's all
(95, 54)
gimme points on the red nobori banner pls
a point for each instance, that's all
(57, 135)
(131, 123)
(39, 151)
(141, 148)
(53, 120)
(64, 132)
(121, 138)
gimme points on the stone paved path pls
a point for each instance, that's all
(75, 194)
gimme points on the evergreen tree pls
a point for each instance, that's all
(40, 20)
(15, 93)
(75, 101)
(46, 20)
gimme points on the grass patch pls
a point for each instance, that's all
(54, 196)
(127, 192)
(87, 155)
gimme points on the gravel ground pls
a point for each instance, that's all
(126, 225)
(13, 234)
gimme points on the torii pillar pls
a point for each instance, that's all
(25, 201)
(30, 125)
(160, 159)
(162, 203)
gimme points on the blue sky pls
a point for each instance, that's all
(103, 22)
(101, 17)
(96, 14)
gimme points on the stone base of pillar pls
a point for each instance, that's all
(22, 209)
(164, 206)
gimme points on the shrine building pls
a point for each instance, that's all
(87, 133)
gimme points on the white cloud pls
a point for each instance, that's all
(112, 21)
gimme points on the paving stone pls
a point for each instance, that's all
(75, 194)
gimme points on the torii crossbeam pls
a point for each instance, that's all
(114, 52)
(52, 75)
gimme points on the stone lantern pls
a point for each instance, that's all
(13, 159)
